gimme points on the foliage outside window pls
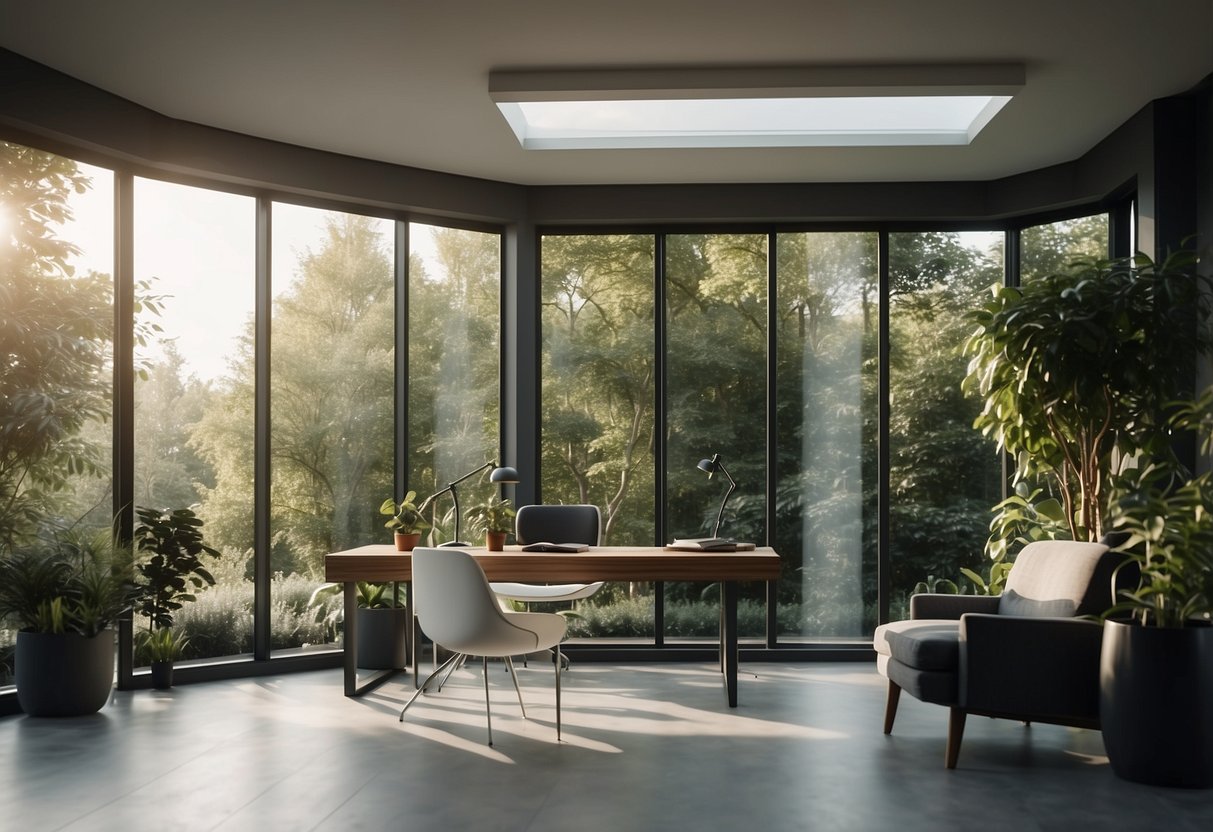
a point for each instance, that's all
(943, 475)
(194, 398)
(454, 367)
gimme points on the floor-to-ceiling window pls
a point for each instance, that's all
(194, 264)
(827, 334)
(56, 325)
(944, 476)
(331, 403)
(598, 387)
(454, 301)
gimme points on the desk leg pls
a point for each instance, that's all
(728, 640)
(351, 638)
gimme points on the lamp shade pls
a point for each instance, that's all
(504, 474)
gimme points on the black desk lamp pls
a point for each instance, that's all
(711, 466)
(503, 474)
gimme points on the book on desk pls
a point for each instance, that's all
(555, 547)
(708, 544)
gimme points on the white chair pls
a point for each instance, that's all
(553, 524)
(457, 609)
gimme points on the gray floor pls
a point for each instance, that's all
(645, 747)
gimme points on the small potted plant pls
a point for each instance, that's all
(496, 517)
(160, 648)
(170, 547)
(382, 624)
(406, 521)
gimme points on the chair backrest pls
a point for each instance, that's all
(558, 524)
(454, 604)
(1060, 578)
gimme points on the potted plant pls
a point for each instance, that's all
(169, 546)
(495, 517)
(62, 596)
(160, 648)
(382, 625)
(1075, 370)
(406, 521)
(1156, 691)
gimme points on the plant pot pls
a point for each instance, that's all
(407, 542)
(381, 638)
(64, 674)
(1156, 703)
(495, 541)
(162, 675)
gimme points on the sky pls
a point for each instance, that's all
(198, 247)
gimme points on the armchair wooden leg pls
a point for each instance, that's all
(956, 732)
(890, 706)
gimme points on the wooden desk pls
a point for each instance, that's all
(382, 563)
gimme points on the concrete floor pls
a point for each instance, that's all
(646, 747)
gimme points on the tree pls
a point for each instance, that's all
(332, 402)
(55, 331)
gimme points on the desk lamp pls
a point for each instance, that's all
(503, 474)
(711, 466)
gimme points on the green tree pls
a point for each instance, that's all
(332, 404)
(55, 331)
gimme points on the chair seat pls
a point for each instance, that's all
(536, 593)
(922, 644)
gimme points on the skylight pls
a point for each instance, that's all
(764, 107)
(751, 122)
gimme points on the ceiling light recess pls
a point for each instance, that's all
(817, 106)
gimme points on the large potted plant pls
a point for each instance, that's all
(62, 596)
(495, 517)
(1156, 692)
(1075, 370)
(168, 547)
(405, 521)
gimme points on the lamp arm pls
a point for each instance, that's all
(470, 474)
(727, 494)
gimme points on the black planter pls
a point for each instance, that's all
(64, 674)
(1156, 704)
(162, 675)
(381, 643)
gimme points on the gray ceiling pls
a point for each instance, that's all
(406, 81)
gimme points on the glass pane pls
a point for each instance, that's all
(1047, 249)
(56, 325)
(597, 432)
(331, 404)
(827, 418)
(716, 329)
(454, 369)
(944, 476)
(194, 397)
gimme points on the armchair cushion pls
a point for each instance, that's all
(926, 644)
(1051, 578)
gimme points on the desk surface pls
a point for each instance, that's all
(381, 562)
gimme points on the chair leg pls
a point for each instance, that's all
(557, 663)
(509, 663)
(462, 657)
(449, 662)
(890, 706)
(956, 732)
(488, 717)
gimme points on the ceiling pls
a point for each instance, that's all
(406, 81)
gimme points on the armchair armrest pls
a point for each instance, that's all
(941, 605)
(1045, 669)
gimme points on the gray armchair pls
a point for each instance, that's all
(1024, 655)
